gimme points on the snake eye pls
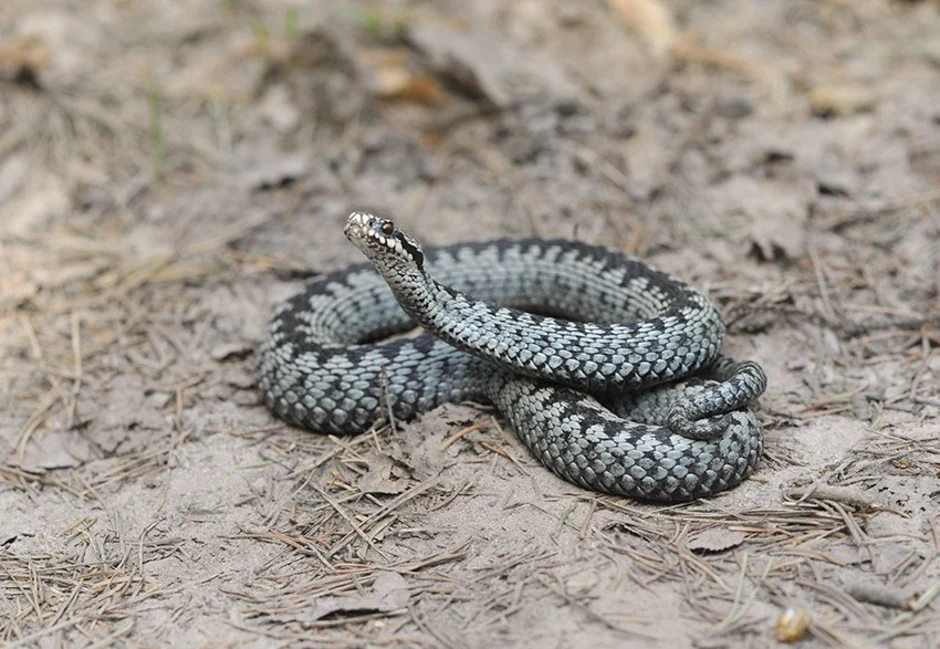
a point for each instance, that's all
(388, 227)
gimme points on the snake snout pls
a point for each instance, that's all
(356, 225)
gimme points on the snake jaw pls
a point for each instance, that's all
(358, 226)
(381, 240)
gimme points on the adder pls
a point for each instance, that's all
(608, 370)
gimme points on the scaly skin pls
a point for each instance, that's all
(644, 344)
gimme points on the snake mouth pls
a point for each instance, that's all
(380, 239)
(364, 228)
(357, 226)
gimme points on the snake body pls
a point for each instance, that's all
(608, 370)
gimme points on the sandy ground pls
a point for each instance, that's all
(170, 171)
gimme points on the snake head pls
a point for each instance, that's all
(382, 241)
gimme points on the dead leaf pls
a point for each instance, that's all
(42, 198)
(230, 350)
(390, 76)
(267, 167)
(488, 66)
(241, 379)
(54, 450)
(378, 480)
(420, 90)
(647, 165)
(841, 100)
(15, 289)
(716, 540)
(421, 453)
(14, 174)
(278, 110)
(57, 45)
(389, 593)
(874, 592)
(582, 584)
(231, 72)
(650, 20)
(51, 276)
(23, 58)
(777, 212)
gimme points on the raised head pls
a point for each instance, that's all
(383, 242)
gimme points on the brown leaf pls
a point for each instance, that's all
(22, 58)
(841, 100)
(391, 78)
(792, 625)
(650, 20)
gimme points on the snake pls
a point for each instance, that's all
(609, 370)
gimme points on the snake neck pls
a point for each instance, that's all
(411, 284)
(422, 297)
(429, 303)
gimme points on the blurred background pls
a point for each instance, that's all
(633, 120)
(170, 170)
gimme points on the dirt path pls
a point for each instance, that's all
(170, 171)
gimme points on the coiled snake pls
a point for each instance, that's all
(608, 370)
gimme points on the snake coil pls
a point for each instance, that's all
(608, 370)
